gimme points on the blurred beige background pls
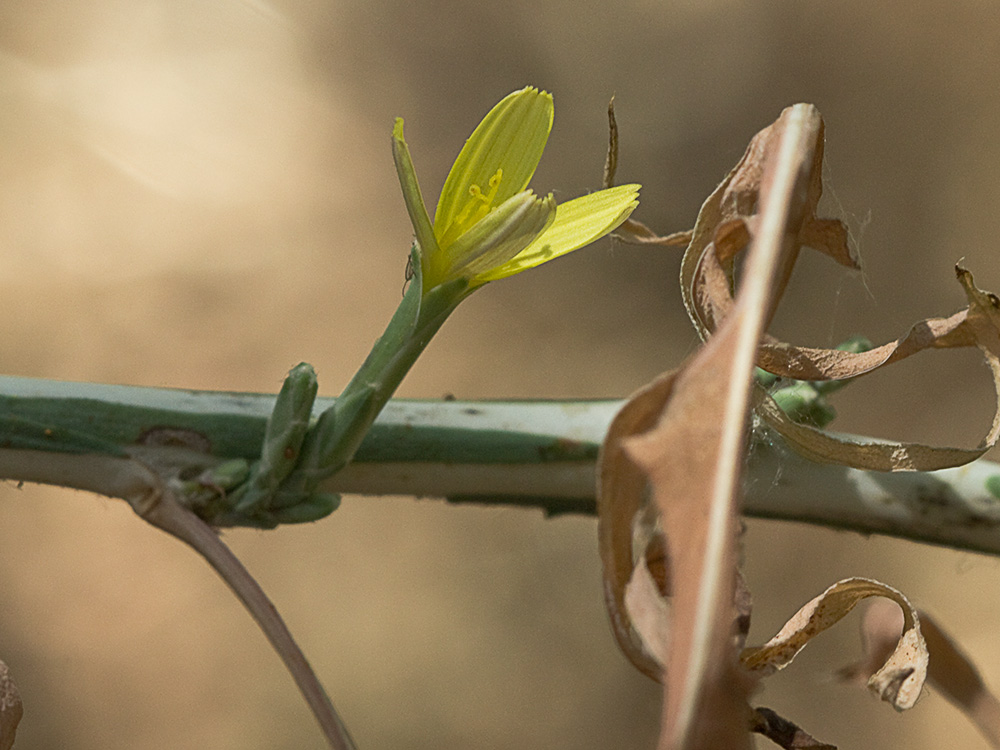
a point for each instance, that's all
(201, 194)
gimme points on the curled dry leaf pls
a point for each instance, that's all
(727, 222)
(11, 709)
(725, 226)
(978, 325)
(621, 509)
(649, 591)
(685, 437)
(950, 671)
(900, 678)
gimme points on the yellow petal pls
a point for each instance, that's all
(496, 239)
(578, 222)
(508, 141)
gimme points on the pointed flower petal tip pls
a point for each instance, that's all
(412, 196)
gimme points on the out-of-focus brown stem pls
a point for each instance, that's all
(162, 510)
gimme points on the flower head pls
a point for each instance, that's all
(488, 225)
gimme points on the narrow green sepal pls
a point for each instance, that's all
(283, 437)
(289, 421)
(412, 196)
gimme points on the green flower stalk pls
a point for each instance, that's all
(488, 225)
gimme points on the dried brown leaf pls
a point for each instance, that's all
(632, 231)
(692, 460)
(621, 498)
(706, 269)
(648, 601)
(693, 456)
(611, 162)
(979, 326)
(900, 678)
(881, 626)
(727, 224)
(807, 363)
(11, 709)
(685, 434)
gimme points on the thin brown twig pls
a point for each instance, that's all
(161, 509)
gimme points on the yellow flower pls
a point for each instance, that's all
(487, 225)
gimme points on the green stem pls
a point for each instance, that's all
(539, 454)
(390, 359)
(340, 429)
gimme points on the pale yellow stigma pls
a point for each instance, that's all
(475, 208)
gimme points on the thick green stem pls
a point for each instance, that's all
(340, 429)
(540, 454)
(390, 359)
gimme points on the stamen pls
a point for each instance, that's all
(475, 208)
(486, 201)
(495, 184)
